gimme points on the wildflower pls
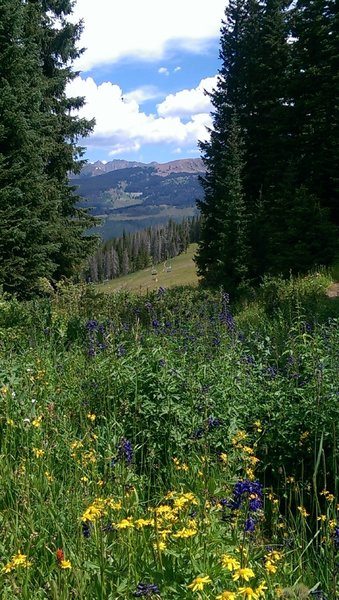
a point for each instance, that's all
(224, 458)
(48, 476)
(258, 426)
(250, 525)
(161, 546)
(270, 566)
(227, 596)
(91, 417)
(37, 422)
(260, 590)
(125, 523)
(60, 555)
(65, 564)
(18, 561)
(198, 583)
(243, 573)
(185, 532)
(248, 593)
(125, 450)
(303, 511)
(10, 422)
(146, 589)
(38, 453)
(229, 562)
(86, 529)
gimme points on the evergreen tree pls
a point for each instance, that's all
(315, 92)
(41, 231)
(227, 249)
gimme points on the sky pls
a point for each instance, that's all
(143, 75)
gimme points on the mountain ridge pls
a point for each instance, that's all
(184, 165)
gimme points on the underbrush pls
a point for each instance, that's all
(170, 446)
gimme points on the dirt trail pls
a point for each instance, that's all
(333, 290)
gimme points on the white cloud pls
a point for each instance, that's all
(144, 30)
(188, 102)
(163, 71)
(177, 69)
(122, 127)
(143, 93)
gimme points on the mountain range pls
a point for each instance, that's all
(129, 195)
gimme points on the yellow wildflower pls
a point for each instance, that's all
(161, 546)
(248, 593)
(243, 573)
(303, 511)
(91, 417)
(37, 422)
(258, 426)
(140, 523)
(270, 566)
(321, 518)
(18, 561)
(229, 562)
(198, 583)
(38, 453)
(224, 457)
(260, 590)
(248, 449)
(227, 596)
(10, 422)
(48, 476)
(250, 473)
(65, 564)
(185, 532)
(125, 523)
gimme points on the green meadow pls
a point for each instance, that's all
(176, 271)
(170, 444)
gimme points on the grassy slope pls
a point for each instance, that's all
(183, 273)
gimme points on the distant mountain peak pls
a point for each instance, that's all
(184, 165)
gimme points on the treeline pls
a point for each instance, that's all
(135, 251)
(271, 187)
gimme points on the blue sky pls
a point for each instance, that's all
(143, 74)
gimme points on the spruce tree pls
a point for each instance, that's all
(41, 230)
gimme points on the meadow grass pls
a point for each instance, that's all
(182, 272)
(170, 445)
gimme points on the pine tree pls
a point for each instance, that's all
(228, 247)
(41, 231)
(315, 91)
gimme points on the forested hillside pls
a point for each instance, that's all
(135, 251)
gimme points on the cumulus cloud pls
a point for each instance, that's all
(144, 30)
(122, 127)
(143, 93)
(188, 102)
(163, 71)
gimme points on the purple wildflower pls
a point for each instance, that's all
(126, 450)
(146, 589)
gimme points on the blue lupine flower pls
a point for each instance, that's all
(92, 325)
(250, 525)
(126, 450)
(86, 529)
(146, 589)
(213, 422)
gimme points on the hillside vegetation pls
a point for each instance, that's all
(170, 445)
(174, 272)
